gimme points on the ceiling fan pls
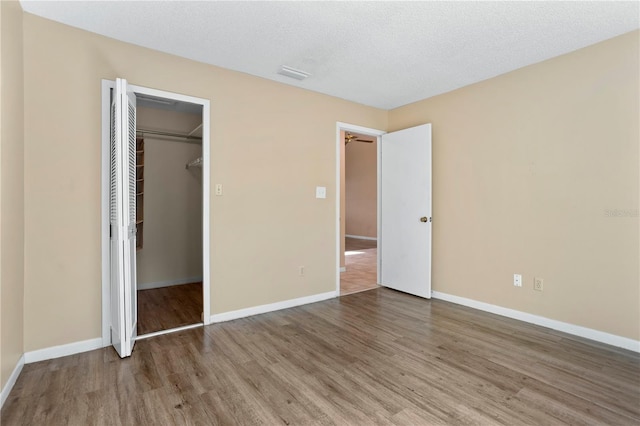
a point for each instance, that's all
(348, 137)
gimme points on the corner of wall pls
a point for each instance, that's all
(11, 195)
(536, 173)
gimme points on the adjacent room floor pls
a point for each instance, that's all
(361, 263)
(374, 357)
(169, 307)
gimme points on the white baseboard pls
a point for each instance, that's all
(6, 390)
(63, 350)
(360, 237)
(576, 330)
(92, 344)
(168, 283)
(262, 309)
(343, 269)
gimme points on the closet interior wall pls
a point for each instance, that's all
(172, 249)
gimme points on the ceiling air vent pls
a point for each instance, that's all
(293, 73)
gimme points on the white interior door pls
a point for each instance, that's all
(122, 214)
(405, 210)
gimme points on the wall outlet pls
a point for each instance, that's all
(517, 280)
(538, 284)
(301, 271)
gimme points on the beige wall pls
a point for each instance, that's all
(11, 189)
(361, 172)
(526, 167)
(267, 224)
(172, 232)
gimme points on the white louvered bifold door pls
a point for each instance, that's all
(116, 221)
(131, 302)
(123, 220)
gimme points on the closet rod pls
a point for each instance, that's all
(169, 134)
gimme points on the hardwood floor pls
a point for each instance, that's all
(361, 264)
(169, 307)
(375, 357)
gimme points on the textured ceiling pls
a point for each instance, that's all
(383, 54)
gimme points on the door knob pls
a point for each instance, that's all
(424, 219)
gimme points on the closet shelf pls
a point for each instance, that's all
(139, 192)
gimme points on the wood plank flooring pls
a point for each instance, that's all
(169, 307)
(376, 357)
(361, 263)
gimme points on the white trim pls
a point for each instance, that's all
(262, 309)
(360, 237)
(358, 129)
(107, 85)
(6, 390)
(366, 131)
(206, 198)
(171, 330)
(379, 211)
(206, 211)
(168, 283)
(63, 350)
(576, 330)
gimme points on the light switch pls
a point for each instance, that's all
(321, 192)
(218, 189)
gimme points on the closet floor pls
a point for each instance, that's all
(169, 307)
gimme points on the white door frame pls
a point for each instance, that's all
(339, 141)
(107, 85)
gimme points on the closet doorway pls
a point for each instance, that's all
(169, 214)
(170, 268)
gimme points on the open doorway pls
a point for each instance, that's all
(403, 207)
(169, 214)
(360, 213)
(358, 254)
(172, 194)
